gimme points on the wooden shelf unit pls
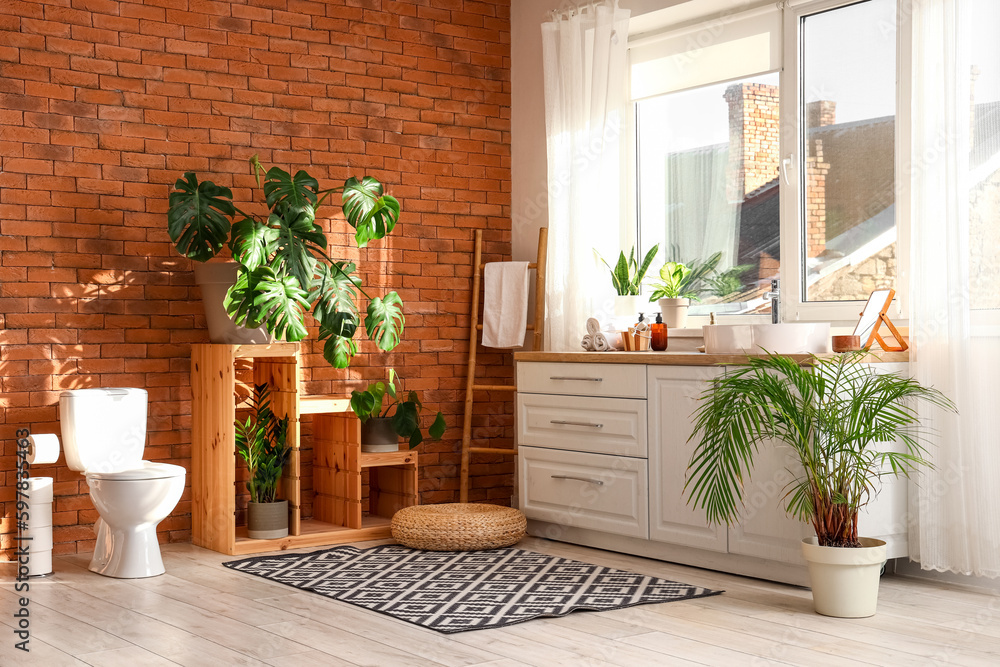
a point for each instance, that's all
(338, 460)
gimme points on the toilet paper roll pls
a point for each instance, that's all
(43, 448)
(39, 515)
(39, 490)
(39, 562)
(37, 539)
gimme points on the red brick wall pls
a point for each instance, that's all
(104, 103)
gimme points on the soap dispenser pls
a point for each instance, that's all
(659, 334)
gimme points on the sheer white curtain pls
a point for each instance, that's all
(584, 66)
(955, 281)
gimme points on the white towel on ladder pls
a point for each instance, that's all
(505, 304)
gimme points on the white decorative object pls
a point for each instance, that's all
(674, 312)
(844, 579)
(955, 349)
(583, 58)
(43, 448)
(104, 436)
(39, 529)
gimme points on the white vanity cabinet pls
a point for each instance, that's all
(603, 457)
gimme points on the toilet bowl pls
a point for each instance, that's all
(104, 436)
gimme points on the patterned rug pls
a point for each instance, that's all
(455, 591)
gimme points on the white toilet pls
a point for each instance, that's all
(104, 435)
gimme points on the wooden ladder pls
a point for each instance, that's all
(475, 326)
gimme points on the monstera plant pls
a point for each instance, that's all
(284, 270)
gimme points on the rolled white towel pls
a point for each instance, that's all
(587, 343)
(593, 326)
(602, 344)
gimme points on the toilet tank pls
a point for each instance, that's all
(103, 430)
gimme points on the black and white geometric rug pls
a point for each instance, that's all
(455, 591)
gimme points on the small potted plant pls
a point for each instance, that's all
(679, 283)
(626, 277)
(281, 267)
(379, 431)
(262, 442)
(834, 412)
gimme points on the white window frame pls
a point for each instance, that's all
(794, 307)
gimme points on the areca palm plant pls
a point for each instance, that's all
(284, 269)
(834, 412)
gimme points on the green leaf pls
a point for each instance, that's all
(338, 351)
(438, 427)
(363, 404)
(333, 291)
(385, 321)
(287, 193)
(252, 243)
(262, 297)
(198, 218)
(299, 245)
(372, 214)
(406, 419)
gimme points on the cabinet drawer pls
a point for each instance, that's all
(617, 380)
(582, 423)
(595, 491)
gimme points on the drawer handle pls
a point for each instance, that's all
(588, 480)
(573, 377)
(567, 423)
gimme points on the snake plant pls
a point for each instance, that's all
(627, 274)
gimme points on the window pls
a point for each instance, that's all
(707, 187)
(847, 153)
(742, 156)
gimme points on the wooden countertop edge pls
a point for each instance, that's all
(681, 358)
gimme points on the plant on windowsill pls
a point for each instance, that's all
(678, 284)
(282, 268)
(262, 443)
(626, 277)
(379, 431)
(833, 412)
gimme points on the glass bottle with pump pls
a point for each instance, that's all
(659, 334)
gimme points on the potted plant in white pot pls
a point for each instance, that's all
(379, 431)
(262, 442)
(282, 269)
(626, 277)
(834, 412)
(678, 285)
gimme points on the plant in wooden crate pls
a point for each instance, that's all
(838, 415)
(379, 431)
(282, 267)
(262, 442)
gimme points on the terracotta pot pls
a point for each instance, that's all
(267, 521)
(845, 580)
(215, 279)
(377, 435)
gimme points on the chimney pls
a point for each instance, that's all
(820, 113)
(753, 137)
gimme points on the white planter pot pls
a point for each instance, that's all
(844, 580)
(675, 312)
(215, 279)
(631, 306)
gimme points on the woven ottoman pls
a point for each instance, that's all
(458, 527)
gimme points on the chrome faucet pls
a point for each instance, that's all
(775, 296)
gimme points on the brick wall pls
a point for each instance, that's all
(104, 103)
(753, 137)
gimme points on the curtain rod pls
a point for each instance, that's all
(573, 9)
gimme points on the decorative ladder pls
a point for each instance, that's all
(475, 326)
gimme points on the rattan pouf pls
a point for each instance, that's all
(458, 527)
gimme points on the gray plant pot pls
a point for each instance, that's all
(267, 521)
(215, 279)
(377, 435)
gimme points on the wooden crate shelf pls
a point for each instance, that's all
(337, 466)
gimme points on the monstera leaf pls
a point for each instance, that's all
(284, 192)
(198, 219)
(385, 321)
(263, 297)
(252, 243)
(372, 214)
(338, 351)
(333, 290)
(299, 245)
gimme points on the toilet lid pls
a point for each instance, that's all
(145, 470)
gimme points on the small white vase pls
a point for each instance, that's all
(845, 580)
(675, 312)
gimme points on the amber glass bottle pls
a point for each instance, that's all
(659, 334)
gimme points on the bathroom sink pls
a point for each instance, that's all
(789, 338)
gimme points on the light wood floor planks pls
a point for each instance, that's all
(201, 613)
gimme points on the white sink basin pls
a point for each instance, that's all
(790, 338)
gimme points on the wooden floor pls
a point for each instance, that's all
(200, 613)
